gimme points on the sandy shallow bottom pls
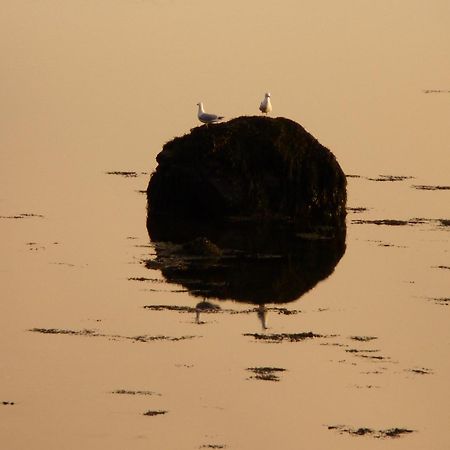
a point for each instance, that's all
(100, 352)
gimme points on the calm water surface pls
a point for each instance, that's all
(100, 350)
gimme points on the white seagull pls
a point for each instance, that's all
(205, 117)
(265, 106)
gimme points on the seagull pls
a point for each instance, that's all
(205, 117)
(265, 106)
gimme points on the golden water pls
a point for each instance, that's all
(90, 87)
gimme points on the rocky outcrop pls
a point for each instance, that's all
(255, 168)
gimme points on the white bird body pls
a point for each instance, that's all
(265, 106)
(205, 117)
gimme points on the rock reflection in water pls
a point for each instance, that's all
(242, 261)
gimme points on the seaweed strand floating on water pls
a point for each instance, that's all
(93, 333)
(266, 373)
(155, 412)
(280, 337)
(364, 431)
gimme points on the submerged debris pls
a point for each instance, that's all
(389, 433)
(7, 403)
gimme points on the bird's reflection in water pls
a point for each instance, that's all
(262, 316)
(204, 306)
(257, 264)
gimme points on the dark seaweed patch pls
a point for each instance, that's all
(280, 337)
(155, 412)
(391, 178)
(420, 371)
(153, 280)
(389, 222)
(367, 386)
(202, 306)
(436, 91)
(61, 331)
(443, 301)
(22, 216)
(166, 290)
(358, 209)
(363, 338)
(397, 222)
(428, 187)
(394, 432)
(266, 373)
(213, 446)
(363, 431)
(131, 392)
(285, 311)
(212, 308)
(356, 351)
(184, 309)
(62, 264)
(92, 333)
(126, 174)
(372, 357)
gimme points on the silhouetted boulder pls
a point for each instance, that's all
(249, 168)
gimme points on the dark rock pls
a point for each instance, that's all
(249, 167)
(201, 246)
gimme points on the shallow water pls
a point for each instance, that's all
(98, 350)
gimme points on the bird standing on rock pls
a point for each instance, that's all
(205, 117)
(265, 106)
